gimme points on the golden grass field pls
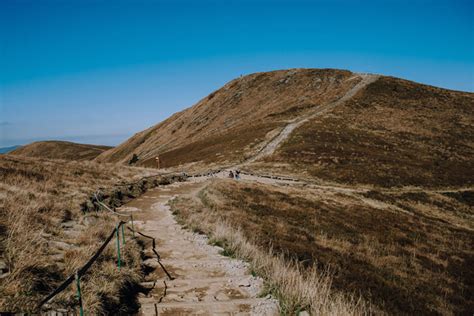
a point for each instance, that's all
(47, 233)
(393, 133)
(405, 252)
(381, 221)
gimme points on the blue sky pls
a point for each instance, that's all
(99, 71)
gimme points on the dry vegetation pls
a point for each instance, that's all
(407, 253)
(248, 107)
(393, 133)
(60, 150)
(377, 233)
(46, 234)
(297, 288)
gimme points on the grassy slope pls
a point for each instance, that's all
(250, 107)
(60, 150)
(394, 133)
(44, 236)
(399, 250)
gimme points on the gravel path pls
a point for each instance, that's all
(206, 282)
(271, 146)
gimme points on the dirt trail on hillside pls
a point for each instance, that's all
(272, 145)
(205, 282)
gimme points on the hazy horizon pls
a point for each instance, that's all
(92, 70)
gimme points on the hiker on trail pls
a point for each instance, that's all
(231, 174)
(237, 174)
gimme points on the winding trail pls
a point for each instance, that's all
(206, 282)
(273, 144)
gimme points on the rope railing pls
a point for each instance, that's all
(158, 258)
(212, 172)
(115, 232)
(80, 272)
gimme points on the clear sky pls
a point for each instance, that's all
(99, 71)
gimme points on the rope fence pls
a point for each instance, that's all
(80, 272)
(119, 233)
(116, 232)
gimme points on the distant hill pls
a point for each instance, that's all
(320, 123)
(5, 150)
(60, 150)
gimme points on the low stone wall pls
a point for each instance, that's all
(120, 194)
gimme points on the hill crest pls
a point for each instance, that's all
(53, 149)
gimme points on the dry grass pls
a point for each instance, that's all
(220, 149)
(251, 104)
(393, 133)
(45, 236)
(297, 288)
(60, 150)
(407, 253)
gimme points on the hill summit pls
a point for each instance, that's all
(319, 123)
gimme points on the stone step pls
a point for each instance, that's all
(203, 290)
(197, 269)
(234, 307)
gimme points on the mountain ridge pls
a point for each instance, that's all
(385, 116)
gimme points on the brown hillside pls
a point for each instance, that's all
(394, 132)
(409, 253)
(46, 233)
(250, 107)
(389, 132)
(60, 150)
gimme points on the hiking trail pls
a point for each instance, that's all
(273, 144)
(206, 282)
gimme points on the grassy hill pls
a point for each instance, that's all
(253, 107)
(384, 207)
(406, 252)
(45, 234)
(386, 201)
(392, 132)
(60, 150)
(49, 228)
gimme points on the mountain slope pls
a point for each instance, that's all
(320, 123)
(60, 150)
(394, 133)
(251, 107)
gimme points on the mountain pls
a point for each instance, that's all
(327, 124)
(60, 150)
(251, 107)
(5, 150)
